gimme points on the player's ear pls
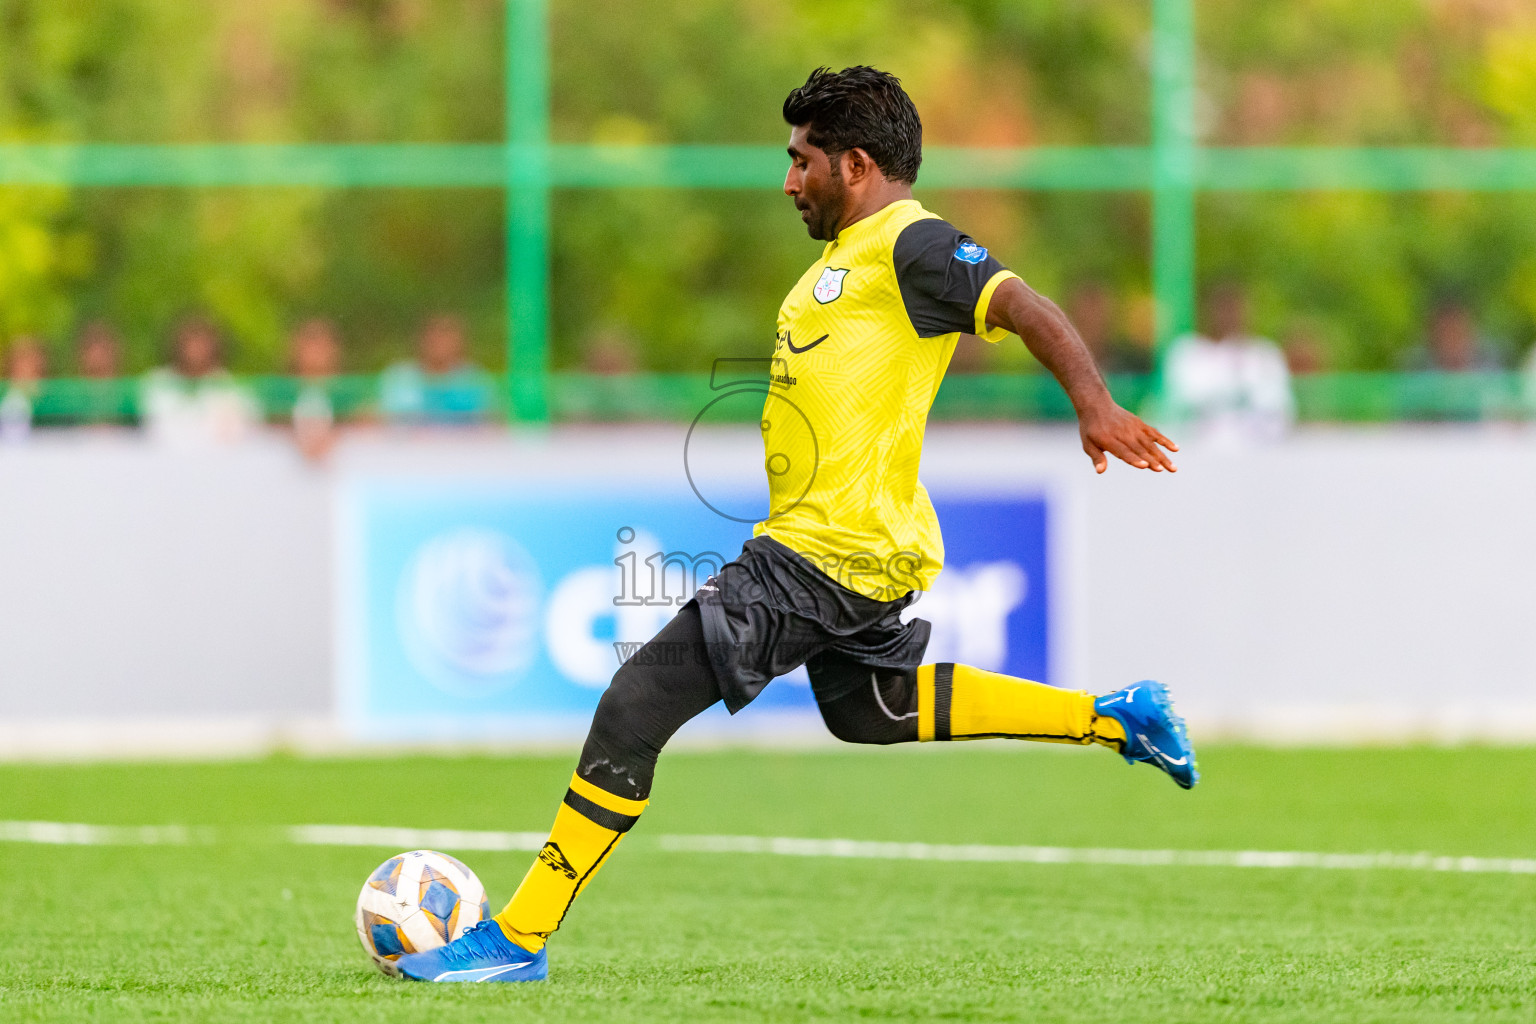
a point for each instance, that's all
(857, 166)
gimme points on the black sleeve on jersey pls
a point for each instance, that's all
(939, 289)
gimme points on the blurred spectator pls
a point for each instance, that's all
(1453, 344)
(1528, 384)
(99, 352)
(315, 359)
(971, 355)
(441, 385)
(195, 401)
(1228, 385)
(1091, 308)
(101, 396)
(609, 352)
(1263, 109)
(26, 364)
(1304, 351)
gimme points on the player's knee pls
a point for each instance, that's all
(860, 728)
(621, 710)
(870, 730)
(620, 739)
(863, 717)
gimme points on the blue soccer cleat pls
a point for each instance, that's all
(484, 953)
(1154, 734)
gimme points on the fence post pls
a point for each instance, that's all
(527, 204)
(1175, 155)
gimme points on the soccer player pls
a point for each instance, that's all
(851, 537)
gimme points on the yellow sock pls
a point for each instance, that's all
(958, 702)
(1109, 732)
(589, 824)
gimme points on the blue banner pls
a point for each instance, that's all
(504, 611)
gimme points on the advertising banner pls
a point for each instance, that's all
(502, 611)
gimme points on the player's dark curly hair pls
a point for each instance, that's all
(860, 108)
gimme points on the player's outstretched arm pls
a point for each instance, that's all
(1103, 424)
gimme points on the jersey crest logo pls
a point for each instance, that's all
(970, 252)
(830, 286)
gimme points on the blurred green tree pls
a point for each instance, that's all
(680, 276)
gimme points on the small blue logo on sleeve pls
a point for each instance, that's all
(970, 252)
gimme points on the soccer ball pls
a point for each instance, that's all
(417, 901)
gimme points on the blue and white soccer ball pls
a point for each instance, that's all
(417, 901)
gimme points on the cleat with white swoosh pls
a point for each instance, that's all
(1154, 733)
(484, 953)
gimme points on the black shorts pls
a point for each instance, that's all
(771, 610)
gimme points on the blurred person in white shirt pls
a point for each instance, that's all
(315, 358)
(195, 402)
(1228, 386)
(26, 364)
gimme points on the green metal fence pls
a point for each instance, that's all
(1174, 169)
(1326, 398)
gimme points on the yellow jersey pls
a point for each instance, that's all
(863, 341)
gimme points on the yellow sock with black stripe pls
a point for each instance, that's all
(589, 824)
(958, 702)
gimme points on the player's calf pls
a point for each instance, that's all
(958, 702)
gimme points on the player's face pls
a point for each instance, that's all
(819, 192)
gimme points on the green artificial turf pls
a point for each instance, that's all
(251, 928)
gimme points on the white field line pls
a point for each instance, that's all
(414, 838)
(63, 833)
(60, 833)
(864, 850)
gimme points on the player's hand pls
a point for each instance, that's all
(1109, 428)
